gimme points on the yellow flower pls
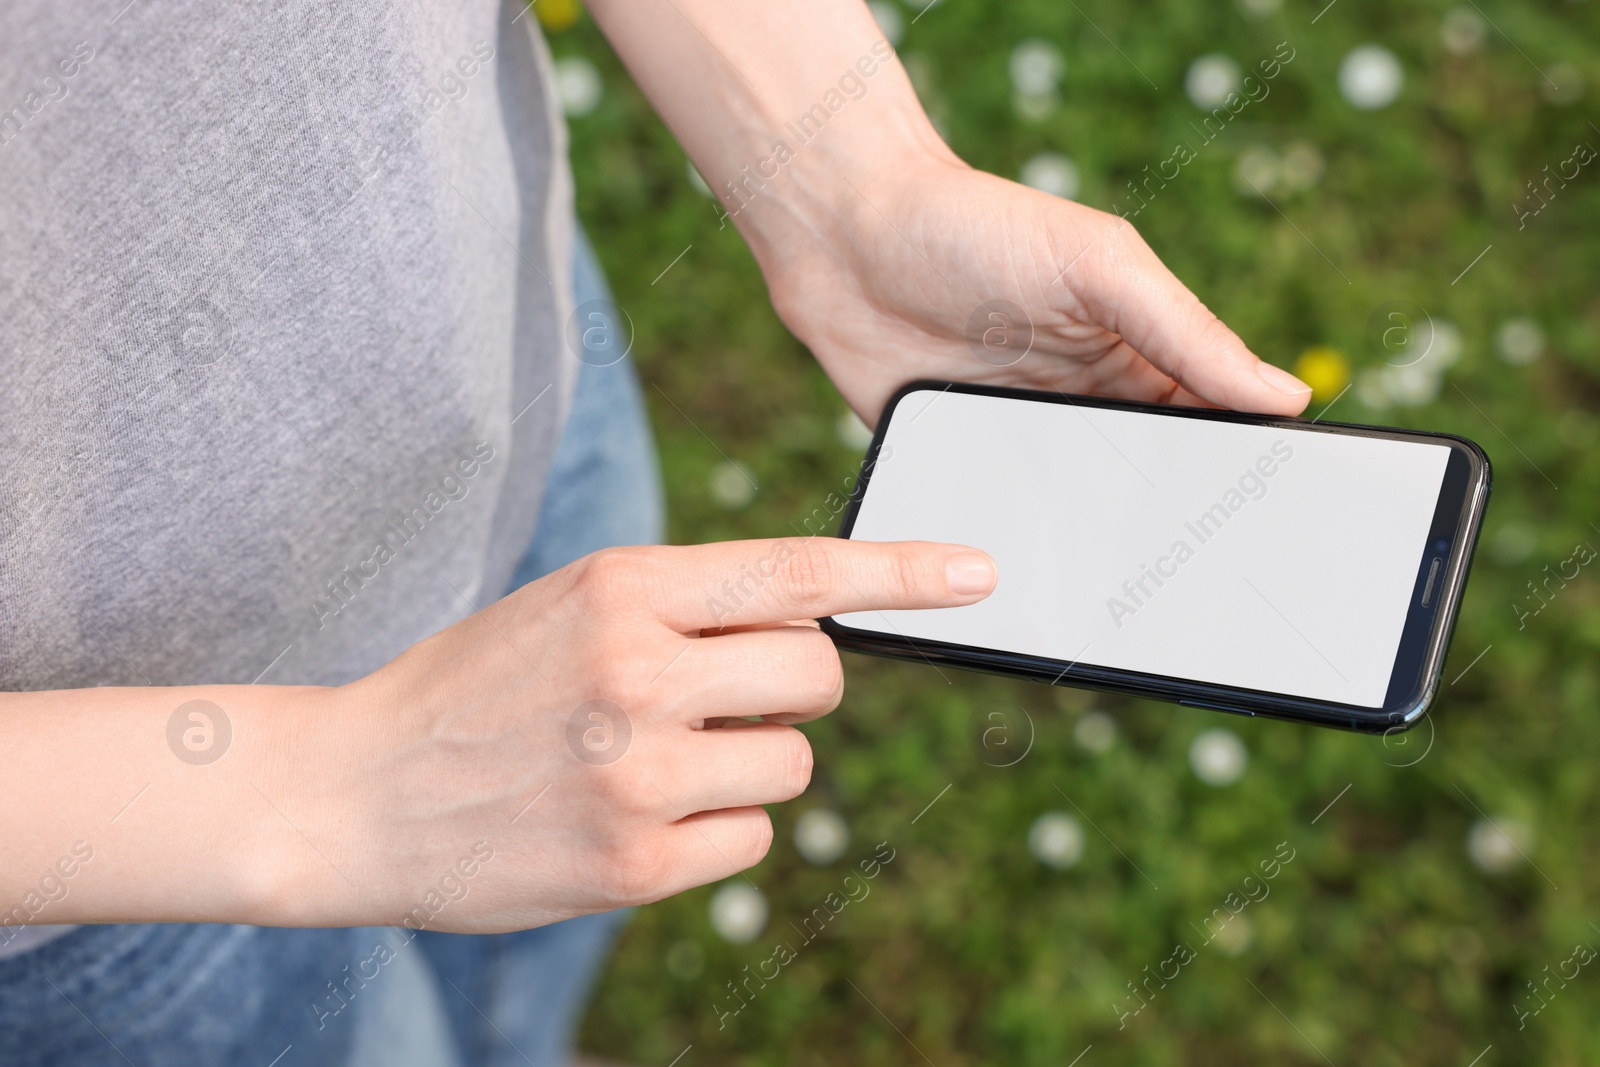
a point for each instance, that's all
(558, 15)
(1325, 370)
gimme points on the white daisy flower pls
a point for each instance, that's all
(853, 433)
(1052, 173)
(1210, 79)
(1370, 77)
(739, 912)
(733, 486)
(578, 85)
(1036, 67)
(1520, 341)
(1302, 165)
(1056, 840)
(821, 836)
(890, 22)
(1257, 171)
(1096, 731)
(1499, 845)
(1218, 757)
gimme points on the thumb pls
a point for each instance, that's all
(1136, 296)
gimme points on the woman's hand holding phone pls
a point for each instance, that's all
(917, 269)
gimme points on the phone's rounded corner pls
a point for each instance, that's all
(916, 385)
(1408, 715)
(1479, 467)
(841, 635)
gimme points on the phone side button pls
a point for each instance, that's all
(1216, 707)
(1433, 578)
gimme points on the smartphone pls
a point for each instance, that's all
(1262, 565)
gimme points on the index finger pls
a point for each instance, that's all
(739, 583)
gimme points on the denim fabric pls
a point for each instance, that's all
(179, 994)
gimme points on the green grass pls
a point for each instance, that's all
(1382, 942)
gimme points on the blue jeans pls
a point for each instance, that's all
(177, 994)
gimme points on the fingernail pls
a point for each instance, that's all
(970, 572)
(1281, 380)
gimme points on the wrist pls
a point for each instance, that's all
(822, 171)
(152, 804)
(293, 861)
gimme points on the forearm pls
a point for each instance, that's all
(115, 806)
(792, 111)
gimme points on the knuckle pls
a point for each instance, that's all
(636, 873)
(906, 576)
(628, 796)
(786, 764)
(823, 673)
(1122, 235)
(813, 576)
(757, 840)
(613, 576)
(1124, 253)
(798, 762)
(626, 683)
(1212, 338)
(1211, 331)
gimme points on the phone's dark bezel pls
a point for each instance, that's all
(1425, 638)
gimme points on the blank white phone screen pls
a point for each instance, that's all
(1252, 556)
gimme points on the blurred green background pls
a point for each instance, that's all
(1456, 864)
